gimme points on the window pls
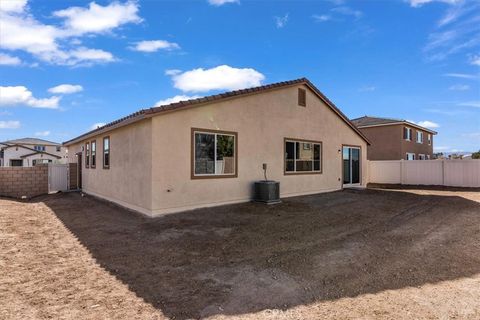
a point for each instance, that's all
(37, 162)
(303, 156)
(429, 138)
(94, 154)
(106, 152)
(407, 134)
(410, 156)
(16, 163)
(421, 157)
(214, 154)
(87, 155)
(59, 148)
(302, 97)
(428, 157)
(39, 148)
(419, 137)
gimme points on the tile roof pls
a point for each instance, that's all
(368, 121)
(31, 141)
(146, 113)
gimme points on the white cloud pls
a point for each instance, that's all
(471, 135)
(475, 60)
(13, 5)
(25, 33)
(474, 104)
(461, 75)
(219, 78)
(441, 148)
(97, 18)
(20, 95)
(457, 31)
(347, 11)
(419, 3)
(86, 55)
(7, 60)
(42, 133)
(19, 30)
(9, 124)
(428, 124)
(174, 99)
(97, 125)
(172, 72)
(155, 45)
(321, 17)
(459, 87)
(367, 89)
(66, 89)
(221, 2)
(280, 22)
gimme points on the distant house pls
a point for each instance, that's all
(394, 139)
(209, 151)
(28, 152)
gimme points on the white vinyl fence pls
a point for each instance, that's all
(455, 173)
(57, 177)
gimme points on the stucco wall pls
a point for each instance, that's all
(128, 181)
(385, 142)
(414, 147)
(388, 143)
(262, 121)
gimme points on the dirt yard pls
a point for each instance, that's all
(389, 254)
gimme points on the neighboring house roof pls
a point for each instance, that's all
(147, 113)
(368, 121)
(31, 141)
(40, 152)
(30, 149)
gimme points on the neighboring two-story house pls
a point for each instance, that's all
(28, 152)
(394, 139)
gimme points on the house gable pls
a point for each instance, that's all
(182, 105)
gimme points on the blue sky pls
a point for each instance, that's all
(68, 65)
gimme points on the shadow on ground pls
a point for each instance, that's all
(245, 258)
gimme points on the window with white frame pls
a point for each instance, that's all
(429, 138)
(106, 152)
(39, 148)
(87, 155)
(419, 137)
(407, 134)
(428, 157)
(94, 154)
(303, 156)
(214, 153)
(410, 156)
(421, 157)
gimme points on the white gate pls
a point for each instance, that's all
(57, 177)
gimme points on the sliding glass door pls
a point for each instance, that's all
(351, 166)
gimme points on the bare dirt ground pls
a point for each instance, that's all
(389, 254)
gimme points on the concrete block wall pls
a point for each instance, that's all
(17, 182)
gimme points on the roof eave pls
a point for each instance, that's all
(398, 123)
(147, 113)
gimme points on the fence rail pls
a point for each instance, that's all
(455, 173)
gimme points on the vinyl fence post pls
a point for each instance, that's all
(401, 171)
(443, 172)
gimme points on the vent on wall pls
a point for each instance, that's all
(302, 97)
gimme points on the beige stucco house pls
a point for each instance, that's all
(28, 152)
(209, 151)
